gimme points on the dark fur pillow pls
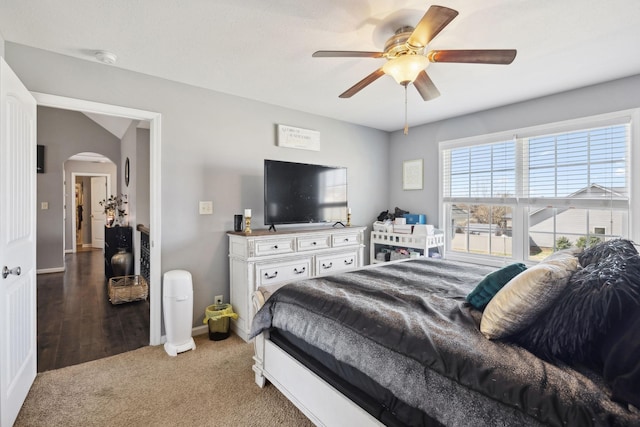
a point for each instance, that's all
(621, 355)
(602, 250)
(595, 300)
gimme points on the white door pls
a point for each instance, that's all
(98, 193)
(18, 342)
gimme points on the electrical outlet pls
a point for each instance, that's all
(218, 299)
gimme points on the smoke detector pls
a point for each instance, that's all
(106, 57)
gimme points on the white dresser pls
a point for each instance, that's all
(264, 258)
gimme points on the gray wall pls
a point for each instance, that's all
(135, 147)
(213, 147)
(422, 141)
(140, 176)
(63, 133)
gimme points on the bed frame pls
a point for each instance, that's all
(319, 401)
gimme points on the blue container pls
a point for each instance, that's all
(422, 219)
(412, 218)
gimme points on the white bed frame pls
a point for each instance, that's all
(319, 401)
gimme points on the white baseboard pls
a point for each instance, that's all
(68, 251)
(199, 330)
(50, 270)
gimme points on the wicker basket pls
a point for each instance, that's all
(127, 288)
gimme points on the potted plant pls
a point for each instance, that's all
(114, 209)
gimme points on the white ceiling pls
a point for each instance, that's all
(262, 49)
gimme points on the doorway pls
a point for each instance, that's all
(87, 216)
(154, 119)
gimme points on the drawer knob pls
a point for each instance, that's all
(327, 266)
(313, 243)
(348, 262)
(346, 239)
(275, 246)
(302, 270)
(272, 276)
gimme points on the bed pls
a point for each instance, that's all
(400, 344)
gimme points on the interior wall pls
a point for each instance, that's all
(422, 141)
(64, 133)
(213, 148)
(135, 147)
(140, 176)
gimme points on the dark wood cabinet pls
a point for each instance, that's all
(114, 239)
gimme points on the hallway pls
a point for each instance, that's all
(76, 321)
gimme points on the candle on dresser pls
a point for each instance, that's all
(247, 213)
(349, 210)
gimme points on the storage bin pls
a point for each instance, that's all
(127, 288)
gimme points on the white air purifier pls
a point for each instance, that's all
(177, 290)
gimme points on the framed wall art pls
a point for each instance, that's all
(412, 174)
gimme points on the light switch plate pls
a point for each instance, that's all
(44, 205)
(206, 208)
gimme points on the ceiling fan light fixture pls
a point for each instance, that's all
(405, 68)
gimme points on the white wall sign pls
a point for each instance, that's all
(305, 139)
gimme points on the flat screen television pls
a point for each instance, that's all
(296, 193)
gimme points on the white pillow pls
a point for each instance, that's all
(526, 296)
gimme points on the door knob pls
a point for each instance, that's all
(6, 271)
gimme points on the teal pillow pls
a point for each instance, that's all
(492, 283)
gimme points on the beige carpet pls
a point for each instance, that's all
(211, 386)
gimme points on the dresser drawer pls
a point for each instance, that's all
(274, 246)
(283, 271)
(329, 264)
(344, 239)
(310, 243)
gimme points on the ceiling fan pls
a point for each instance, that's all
(407, 55)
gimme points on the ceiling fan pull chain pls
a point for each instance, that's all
(406, 123)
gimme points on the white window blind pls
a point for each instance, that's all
(581, 168)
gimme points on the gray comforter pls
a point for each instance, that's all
(407, 326)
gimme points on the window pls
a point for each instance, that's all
(527, 196)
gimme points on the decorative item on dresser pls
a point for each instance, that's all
(116, 238)
(265, 258)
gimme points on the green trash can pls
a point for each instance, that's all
(218, 316)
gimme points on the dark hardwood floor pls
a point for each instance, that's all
(76, 321)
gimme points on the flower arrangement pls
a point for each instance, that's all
(114, 208)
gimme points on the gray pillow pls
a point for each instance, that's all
(526, 296)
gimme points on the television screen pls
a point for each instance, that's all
(303, 193)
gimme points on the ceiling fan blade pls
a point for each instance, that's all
(346, 54)
(425, 87)
(487, 56)
(362, 84)
(436, 18)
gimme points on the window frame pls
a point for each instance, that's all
(520, 228)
